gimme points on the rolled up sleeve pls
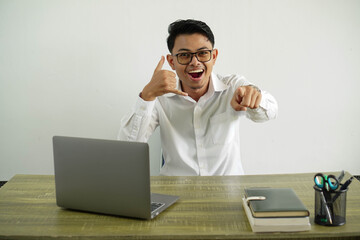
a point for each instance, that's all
(140, 123)
(267, 110)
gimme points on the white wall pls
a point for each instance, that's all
(75, 67)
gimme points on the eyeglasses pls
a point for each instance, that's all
(185, 58)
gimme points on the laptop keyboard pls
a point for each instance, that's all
(156, 205)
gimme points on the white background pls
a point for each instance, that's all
(75, 67)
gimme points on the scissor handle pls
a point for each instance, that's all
(333, 182)
(323, 181)
(319, 180)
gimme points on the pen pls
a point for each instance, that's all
(342, 174)
(326, 207)
(346, 184)
(343, 187)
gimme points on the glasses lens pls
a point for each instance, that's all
(203, 56)
(184, 58)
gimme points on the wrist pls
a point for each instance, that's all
(145, 96)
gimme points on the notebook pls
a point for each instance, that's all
(277, 202)
(276, 224)
(106, 176)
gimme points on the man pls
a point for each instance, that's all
(197, 110)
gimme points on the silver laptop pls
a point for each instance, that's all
(106, 176)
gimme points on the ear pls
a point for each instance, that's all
(215, 53)
(170, 58)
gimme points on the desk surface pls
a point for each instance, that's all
(209, 208)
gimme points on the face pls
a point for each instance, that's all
(194, 76)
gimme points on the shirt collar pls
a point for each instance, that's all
(217, 84)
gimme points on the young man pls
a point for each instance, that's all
(197, 110)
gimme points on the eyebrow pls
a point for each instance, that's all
(188, 50)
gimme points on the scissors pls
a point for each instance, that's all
(327, 182)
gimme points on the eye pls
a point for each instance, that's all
(203, 53)
(184, 55)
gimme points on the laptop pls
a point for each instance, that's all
(106, 176)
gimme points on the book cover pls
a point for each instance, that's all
(279, 202)
(286, 224)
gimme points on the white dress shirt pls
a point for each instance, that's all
(198, 138)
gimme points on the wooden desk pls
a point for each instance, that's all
(209, 208)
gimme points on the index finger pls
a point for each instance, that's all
(178, 92)
(160, 64)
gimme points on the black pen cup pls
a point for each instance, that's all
(330, 207)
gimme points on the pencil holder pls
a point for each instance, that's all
(330, 207)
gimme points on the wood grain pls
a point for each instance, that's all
(209, 208)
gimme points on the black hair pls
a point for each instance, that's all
(188, 26)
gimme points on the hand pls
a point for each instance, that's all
(162, 82)
(246, 97)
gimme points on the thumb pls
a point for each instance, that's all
(239, 94)
(235, 102)
(160, 64)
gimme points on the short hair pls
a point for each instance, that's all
(188, 26)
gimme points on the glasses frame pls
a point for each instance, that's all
(192, 55)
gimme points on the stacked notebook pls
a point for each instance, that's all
(275, 210)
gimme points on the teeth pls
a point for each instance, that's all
(196, 71)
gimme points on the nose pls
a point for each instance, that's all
(194, 61)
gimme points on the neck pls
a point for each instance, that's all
(195, 93)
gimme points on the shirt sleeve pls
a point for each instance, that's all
(267, 110)
(140, 123)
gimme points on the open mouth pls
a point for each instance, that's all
(196, 74)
